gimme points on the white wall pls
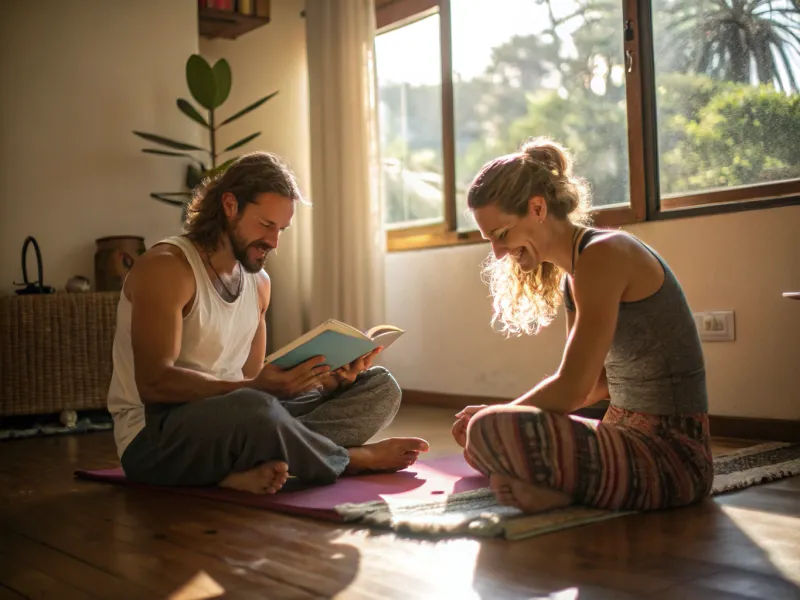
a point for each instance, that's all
(266, 59)
(77, 77)
(741, 262)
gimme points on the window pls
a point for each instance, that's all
(669, 105)
(728, 110)
(410, 117)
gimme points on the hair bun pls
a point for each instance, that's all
(552, 155)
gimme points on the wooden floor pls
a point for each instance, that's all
(61, 538)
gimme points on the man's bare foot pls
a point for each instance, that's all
(263, 479)
(525, 496)
(391, 454)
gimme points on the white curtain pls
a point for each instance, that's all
(348, 241)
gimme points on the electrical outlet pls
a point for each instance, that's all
(716, 325)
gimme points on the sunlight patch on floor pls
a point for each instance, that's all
(757, 525)
(446, 568)
(199, 587)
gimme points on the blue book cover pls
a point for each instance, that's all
(338, 342)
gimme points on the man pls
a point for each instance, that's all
(192, 400)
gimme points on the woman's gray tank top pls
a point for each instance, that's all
(655, 363)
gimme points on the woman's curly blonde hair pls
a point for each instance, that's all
(526, 302)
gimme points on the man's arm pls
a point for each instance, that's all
(159, 286)
(258, 348)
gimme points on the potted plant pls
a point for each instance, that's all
(210, 87)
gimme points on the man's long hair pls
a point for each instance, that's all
(250, 175)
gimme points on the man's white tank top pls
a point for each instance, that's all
(216, 340)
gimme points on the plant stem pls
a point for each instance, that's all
(211, 132)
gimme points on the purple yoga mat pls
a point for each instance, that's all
(444, 475)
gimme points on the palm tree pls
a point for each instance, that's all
(744, 41)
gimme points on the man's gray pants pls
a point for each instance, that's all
(202, 442)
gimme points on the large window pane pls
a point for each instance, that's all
(410, 95)
(727, 75)
(524, 68)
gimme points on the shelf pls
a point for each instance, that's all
(226, 24)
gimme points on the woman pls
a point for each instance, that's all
(631, 337)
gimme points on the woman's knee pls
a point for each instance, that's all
(492, 432)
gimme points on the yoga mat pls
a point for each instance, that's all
(439, 477)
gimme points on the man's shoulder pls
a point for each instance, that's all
(162, 264)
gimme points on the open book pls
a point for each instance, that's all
(338, 342)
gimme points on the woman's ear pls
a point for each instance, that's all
(537, 208)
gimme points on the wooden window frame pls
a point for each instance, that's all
(646, 202)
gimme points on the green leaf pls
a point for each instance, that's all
(169, 153)
(200, 79)
(191, 112)
(168, 142)
(222, 81)
(194, 176)
(166, 153)
(167, 197)
(244, 111)
(242, 141)
(221, 168)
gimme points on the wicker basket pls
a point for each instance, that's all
(55, 351)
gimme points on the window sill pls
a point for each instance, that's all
(436, 236)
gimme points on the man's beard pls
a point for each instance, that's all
(240, 248)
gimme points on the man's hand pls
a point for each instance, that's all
(346, 375)
(293, 382)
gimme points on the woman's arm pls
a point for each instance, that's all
(600, 391)
(600, 279)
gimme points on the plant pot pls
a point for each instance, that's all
(113, 258)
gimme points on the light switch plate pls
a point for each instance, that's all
(716, 325)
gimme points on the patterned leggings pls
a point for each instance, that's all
(629, 461)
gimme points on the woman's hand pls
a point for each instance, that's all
(470, 411)
(459, 432)
(459, 429)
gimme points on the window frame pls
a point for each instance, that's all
(646, 203)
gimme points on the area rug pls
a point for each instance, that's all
(476, 513)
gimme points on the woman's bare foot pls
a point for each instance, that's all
(263, 479)
(391, 454)
(525, 496)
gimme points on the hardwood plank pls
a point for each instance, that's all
(158, 542)
(146, 557)
(9, 594)
(67, 569)
(33, 583)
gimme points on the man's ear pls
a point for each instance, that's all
(537, 208)
(230, 205)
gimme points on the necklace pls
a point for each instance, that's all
(230, 293)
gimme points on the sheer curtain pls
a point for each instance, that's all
(348, 241)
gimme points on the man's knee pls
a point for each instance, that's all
(386, 390)
(254, 411)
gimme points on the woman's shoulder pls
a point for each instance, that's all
(612, 243)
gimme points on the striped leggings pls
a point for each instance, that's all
(628, 461)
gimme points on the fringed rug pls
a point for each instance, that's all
(476, 513)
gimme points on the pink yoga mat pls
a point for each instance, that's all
(425, 479)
